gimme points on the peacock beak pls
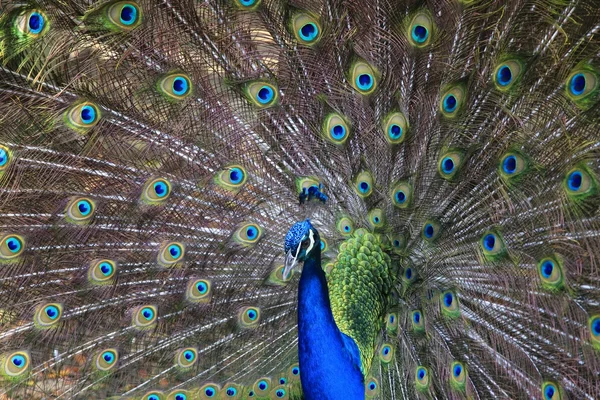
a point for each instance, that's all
(290, 263)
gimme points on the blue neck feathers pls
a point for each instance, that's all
(329, 360)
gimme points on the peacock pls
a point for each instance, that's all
(299, 199)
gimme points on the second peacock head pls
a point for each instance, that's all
(299, 244)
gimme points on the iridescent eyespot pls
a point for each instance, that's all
(324, 246)
(345, 226)
(386, 353)
(124, 15)
(106, 359)
(492, 245)
(15, 365)
(395, 128)
(550, 270)
(279, 392)
(144, 316)
(5, 158)
(450, 163)
(170, 254)
(422, 381)
(420, 30)
(294, 373)
(248, 234)
(507, 74)
(594, 329)
(80, 210)
(458, 376)
(232, 178)
(249, 317)
(180, 395)
(209, 391)
(376, 218)
(102, 272)
(512, 165)
(11, 247)
(431, 231)
(336, 128)
(551, 391)
(409, 275)
(231, 391)
(306, 28)
(247, 5)
(47, 315)
(417, 321)
(199, 291)
(579, 183)
(32, 23)
(154, 395)
(371, 387)
(186, 357)
(363, 77)
(363, 184)
(262, 94)
(401, 195)
(156, 191)
(82, 117)
(276, 277)
(175, 86)
(452, 101)
(581, 85)
(449, 304)
(262, 386)
(391, 322)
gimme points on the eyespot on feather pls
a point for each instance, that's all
(363, 77)
(83, 116)
(80, 210)
(422, 381)
(249, 317)
(449, 304)
(102, 272)
(32, 23)
(363, 185)
(306, 28)
(11, 247)
(395, 128)
(106, 359)
(336, 129)
(209, 391)
(248, 234)
(199, 291)
(171, 254)
(420, 30)
(15, 365)
(144, 317)
(458, 376)
(47, 315)
(186, 357)
(262, 94)
(176, 86)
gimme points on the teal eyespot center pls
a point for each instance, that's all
(36, 22)
(338, 132)
(251, 314)
(265, 95)
(148, 313)
(88, 115)
(231, 391)
(236, 175)
(175, 251)
(180, 86)
(364, 82)
(106, 268)
(14, 244)
(450, 103)
(308, 32)
(3, 157)
(18, 361)
(394, 131)
(52, 312)
(504, 75)
(108, 357)
(448, 165)
(128, 14)
(457, 370)
(419, 33)
(84, 207)
(161, 189)
(577, 84)
(574, 181)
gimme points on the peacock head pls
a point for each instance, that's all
(299, 244)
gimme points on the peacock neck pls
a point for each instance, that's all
(329, 362)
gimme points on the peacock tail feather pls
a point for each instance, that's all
(154, 153)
